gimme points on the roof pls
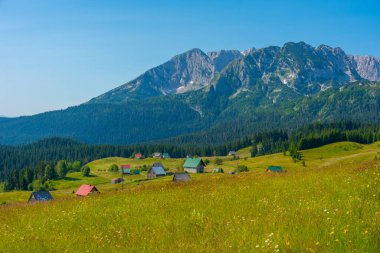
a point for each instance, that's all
(158, 164)
(126, 171)
(275, 168)
(181, 177)
(41, 196)
(117, 180)
(138, 155)
(193, 162)
(125, 166)
(85, 189)
(158, 170)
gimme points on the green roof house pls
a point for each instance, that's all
(165, 155)
(126, 169)
(194, 165)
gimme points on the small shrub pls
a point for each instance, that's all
(113, 168)
(85, 170)
(218, 161)
(49, 185)
(242, 168)
(144, 168)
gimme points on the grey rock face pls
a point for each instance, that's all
(299, 66)
(368, 67)
(222, 58)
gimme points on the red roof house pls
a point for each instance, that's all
(86, 189)
(138, 156)
(126, 169)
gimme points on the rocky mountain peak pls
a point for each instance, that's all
(296, 65)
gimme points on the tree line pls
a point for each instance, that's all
(38, 162)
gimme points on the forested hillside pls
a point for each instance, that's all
(17, 164)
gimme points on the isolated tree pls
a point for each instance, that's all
(61, 168)
(113, 168)
(218, 161)
(49, 172)
(85, 170)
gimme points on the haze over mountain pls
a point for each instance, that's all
(218, 96)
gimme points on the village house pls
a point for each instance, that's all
(117, 180)
(157, 170)
(156, 155)
(165, 155)
(126, 169)
(181, 177)
(86, 189)
(39, 196)
(158, 164)
(232, 153)
(139, 156)
(194, 165)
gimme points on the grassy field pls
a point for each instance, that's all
(331, 205)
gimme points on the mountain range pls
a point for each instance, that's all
(199, 97)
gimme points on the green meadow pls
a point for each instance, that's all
(332, 204)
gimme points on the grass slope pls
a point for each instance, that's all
(332, 205)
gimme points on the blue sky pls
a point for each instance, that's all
(55, 54)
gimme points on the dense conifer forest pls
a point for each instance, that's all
(22, 166)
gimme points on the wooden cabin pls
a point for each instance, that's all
(165, 156)
(139, 156)
(232, 153)
(117, 180)
(194, 165)
(156, 172)
(86, 189)
(126, 169)
(39, 196)
(156, 155)
(181, 177)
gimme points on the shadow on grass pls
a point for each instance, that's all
(77, 179)
(71, 179)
